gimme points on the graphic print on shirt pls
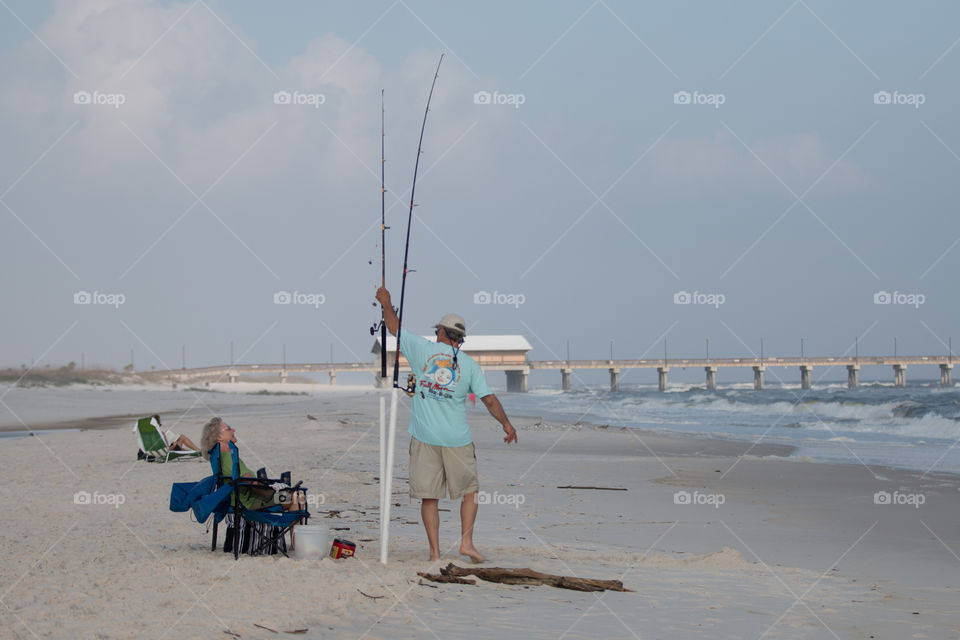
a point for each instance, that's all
(440, 376)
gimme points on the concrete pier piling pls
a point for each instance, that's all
(758, 377)
(899, 375)
(711, 377)
(517, 380)
(614, 379)
(946, 375)
(805, 371)
(662, 378)
(853, 376)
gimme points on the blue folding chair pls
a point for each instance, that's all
(254, 531)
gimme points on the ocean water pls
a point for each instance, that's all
(916, 427)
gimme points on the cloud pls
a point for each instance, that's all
(720, 163)
(285, 180)
(198, 98)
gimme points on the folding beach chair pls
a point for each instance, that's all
(154, 445)
(254, 532)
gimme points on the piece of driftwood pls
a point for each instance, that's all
(570, 486)
(436, 577)
(453, 573)
(291, 632)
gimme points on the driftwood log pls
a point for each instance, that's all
(437, 577)
(571, 486)
(453, 573)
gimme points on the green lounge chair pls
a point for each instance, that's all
(153, 444)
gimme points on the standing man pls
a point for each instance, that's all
(442, 455)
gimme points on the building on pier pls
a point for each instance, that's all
(506, 353)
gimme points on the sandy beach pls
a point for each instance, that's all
(713, 543)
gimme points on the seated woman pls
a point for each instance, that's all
(216, 432)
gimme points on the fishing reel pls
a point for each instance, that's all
(411, 387)
(375, 328)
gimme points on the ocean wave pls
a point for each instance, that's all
(823, 410)
(927, 426)
(911, 413)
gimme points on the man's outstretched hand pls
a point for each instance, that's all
(496, 410)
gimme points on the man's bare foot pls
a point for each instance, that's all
(434, 557)
(472, 553)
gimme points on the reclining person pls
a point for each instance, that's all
(218, 433)
(176, 441)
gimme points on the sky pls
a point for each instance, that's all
(591, 172)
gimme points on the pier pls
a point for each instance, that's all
(711, 367)
(517, 373)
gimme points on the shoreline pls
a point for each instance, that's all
(85, 424)
(714, 444)
(666, 443)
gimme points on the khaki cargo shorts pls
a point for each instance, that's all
(435, 470)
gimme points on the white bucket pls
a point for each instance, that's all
(313, 541)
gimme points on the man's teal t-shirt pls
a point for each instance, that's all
(438, 415)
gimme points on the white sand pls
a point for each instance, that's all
(796, 549)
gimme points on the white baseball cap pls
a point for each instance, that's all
(453, 322)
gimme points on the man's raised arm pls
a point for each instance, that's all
(389, 315)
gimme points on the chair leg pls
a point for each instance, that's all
(237, 532)
(213, 543)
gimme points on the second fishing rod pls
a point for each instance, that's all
(406, 249)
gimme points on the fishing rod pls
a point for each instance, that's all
(386, 465)
(406, 250)
(383, 241)
(383, 245)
